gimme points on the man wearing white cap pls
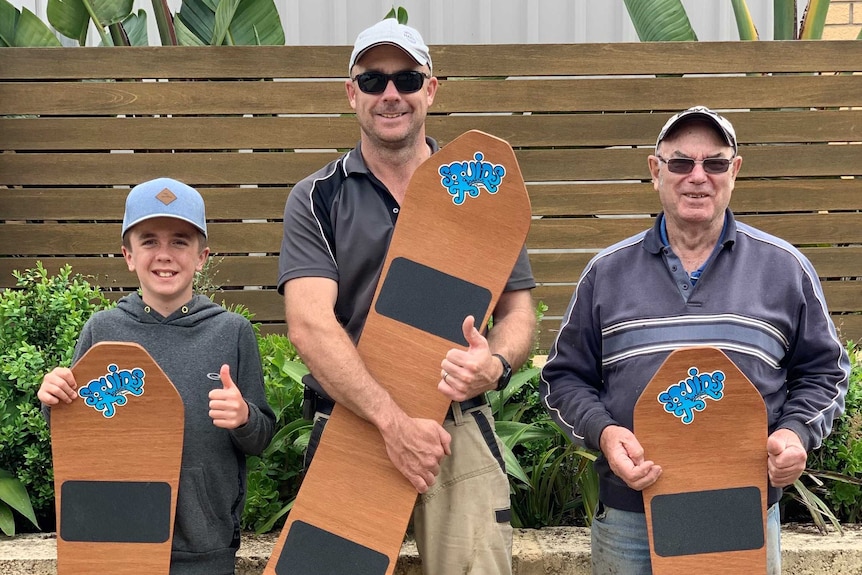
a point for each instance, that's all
(696, 277)
(338, 223)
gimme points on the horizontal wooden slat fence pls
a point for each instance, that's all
(80, 126)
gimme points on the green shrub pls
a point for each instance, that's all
(274, 476)
(834, 473)
(40, 322)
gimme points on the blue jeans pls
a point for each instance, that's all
(620, 543)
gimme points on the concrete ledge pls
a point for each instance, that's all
(558, 550)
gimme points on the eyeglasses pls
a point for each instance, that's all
(406, 82)
(686, 165)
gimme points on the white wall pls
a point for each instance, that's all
(337, 22)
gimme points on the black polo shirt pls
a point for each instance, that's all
(338, 223)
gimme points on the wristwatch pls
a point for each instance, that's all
(506, 375)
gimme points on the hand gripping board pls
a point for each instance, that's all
(461, 227)
(704, 423)
(117, 450)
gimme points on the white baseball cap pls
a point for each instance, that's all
(722, 125)
(389, 31)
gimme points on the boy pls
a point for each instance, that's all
(197, 344)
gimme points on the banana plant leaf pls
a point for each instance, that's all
(23, 29)
(136, 27)
(71, 18)
(256, 22)
(223, 17)
(8, 23)
(185, 37)
(744, 23)
(784, 19)
(13, 495)
(239, 22)
(660, 20)
(164, 22)
(814, 20)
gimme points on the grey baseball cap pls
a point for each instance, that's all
(389, 31)
(164, 198)
(722, 125)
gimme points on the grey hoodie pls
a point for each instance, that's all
(190, 346)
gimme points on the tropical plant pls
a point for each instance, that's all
(13, 495)
(552, 481)
(549, 477)
(226, 22)
(197, 23)
(23, 28)
(667, 20)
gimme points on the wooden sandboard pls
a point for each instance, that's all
(454, 247)
(705, 424)
(117, 450)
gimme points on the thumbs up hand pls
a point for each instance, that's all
(228, 409)
(467, 373)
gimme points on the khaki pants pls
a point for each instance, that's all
(462, 523)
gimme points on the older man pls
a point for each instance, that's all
(696, 277)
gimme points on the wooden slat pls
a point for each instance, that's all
(234, 203)
(177, 62)
(202, 168)
(796, 195)
(197, 169)
(561, 233)
(609, 95)
(231, 203)
(449, 60)
(111, 273)
(843, 296)
(89, 239)
(178, 133)
(646, 57)
(849, 327)
(567, 267)
(269, 132)
(836, 262)
(597, 233)
(204, 97)
(641, 94)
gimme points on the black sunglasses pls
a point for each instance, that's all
(686, 165)
(406, 82)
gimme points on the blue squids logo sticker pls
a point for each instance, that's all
(684, 398)
(113, 389)
(464, 179)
